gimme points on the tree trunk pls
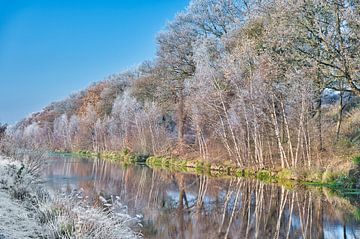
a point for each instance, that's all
(181, 119)
(340, 116)
(278, 137)
(319, 122)
(286, 126)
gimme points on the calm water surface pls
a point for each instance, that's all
(178, 205)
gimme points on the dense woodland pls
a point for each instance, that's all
(259, 83)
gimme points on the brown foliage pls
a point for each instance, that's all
(92, 98)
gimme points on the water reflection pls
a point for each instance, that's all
(177, 205)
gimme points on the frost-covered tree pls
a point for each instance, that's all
(60, 132)
(3, 128)
(215, 17)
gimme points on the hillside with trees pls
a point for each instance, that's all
(263, 84)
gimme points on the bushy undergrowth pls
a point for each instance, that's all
(356, 160)
(20, 182)
(70, 216)
(64, 216)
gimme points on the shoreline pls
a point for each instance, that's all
(340, 180)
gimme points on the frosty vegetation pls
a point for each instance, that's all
(261, 83)
(29, 211)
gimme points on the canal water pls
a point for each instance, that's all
(180, 205)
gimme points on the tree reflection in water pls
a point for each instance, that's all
(178, 205)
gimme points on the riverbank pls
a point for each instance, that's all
(344, 177)
(28, 210)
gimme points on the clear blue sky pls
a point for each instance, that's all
(52, 48)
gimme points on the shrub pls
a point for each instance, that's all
(69, 216)
(356, 160)
(344, 182)
(264, 175)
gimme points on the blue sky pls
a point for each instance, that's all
(52, 48)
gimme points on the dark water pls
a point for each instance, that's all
(177, 205)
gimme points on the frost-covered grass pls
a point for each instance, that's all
(20, 181)
(70, 216)
(28, 211)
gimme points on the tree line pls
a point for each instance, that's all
(259, 83)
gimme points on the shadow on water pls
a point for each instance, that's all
(177, 205)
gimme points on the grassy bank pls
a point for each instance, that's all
(124, 156)
(332, 179)
(339, 179)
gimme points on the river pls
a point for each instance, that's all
(179, 205)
